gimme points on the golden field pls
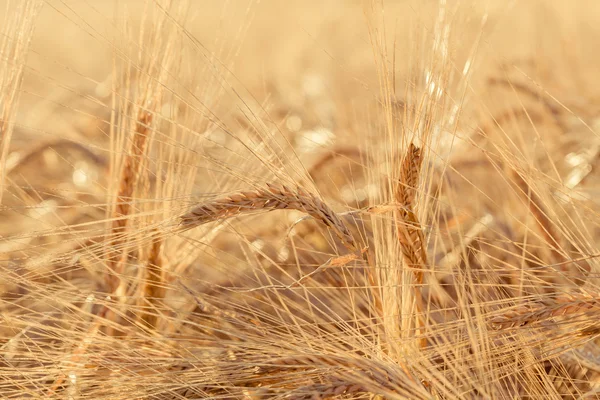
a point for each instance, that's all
(299, 199)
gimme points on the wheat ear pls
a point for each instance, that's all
(537, 95)
(408, 228)
(127, 182)
(549, 233)
(572, 305)
(270, 198)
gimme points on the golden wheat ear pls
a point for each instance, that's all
(409, 177)
(128, 180)
(271, 198)
(571, 306)
(408, 228)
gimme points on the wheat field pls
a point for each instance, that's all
(299, 199)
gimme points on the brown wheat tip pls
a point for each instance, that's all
(409, 177)
(270, 198)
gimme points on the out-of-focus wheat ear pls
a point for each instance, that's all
(222, 313)
(576, 305)
(153, 288)
(21, 159)
(408, 227)
(537, 95)
(541, 216)
(548, 231)
(380, 375)
(17, 30)
(127, 182)
(271, 198)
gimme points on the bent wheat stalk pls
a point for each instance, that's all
(270, 198)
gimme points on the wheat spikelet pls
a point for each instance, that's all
(270, 198)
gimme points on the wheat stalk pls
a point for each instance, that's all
(270, 198)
